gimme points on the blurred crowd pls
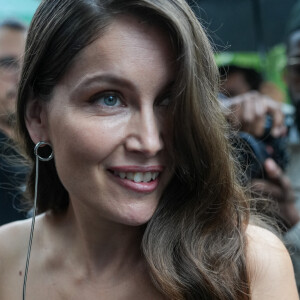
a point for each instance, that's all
(12, 177)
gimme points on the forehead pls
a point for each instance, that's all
(294, 44)
(12, 42)
(127, 43)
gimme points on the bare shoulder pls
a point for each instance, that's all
(14, 228)
(270, 268)
(14, 239)
(13, 244)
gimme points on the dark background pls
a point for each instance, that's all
(244, 25)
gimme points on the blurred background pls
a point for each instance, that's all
(20, 9)
(234, 25)
(244, 25)
(249, 34)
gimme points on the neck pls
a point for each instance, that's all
(99, 245)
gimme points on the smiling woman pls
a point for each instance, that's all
(141, 199)
(106, 104)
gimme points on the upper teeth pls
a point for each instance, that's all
(138, 176)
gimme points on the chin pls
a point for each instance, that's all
(138, 217)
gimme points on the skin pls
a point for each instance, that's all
(92, 251)
(12, 44)
(270, 267)
(247, 112)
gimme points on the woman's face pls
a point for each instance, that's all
(108, 123)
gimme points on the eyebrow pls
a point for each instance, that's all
(104, 78)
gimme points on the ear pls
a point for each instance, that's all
(36, 120)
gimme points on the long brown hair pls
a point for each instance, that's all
(195, 242)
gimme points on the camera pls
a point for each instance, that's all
(252, 152)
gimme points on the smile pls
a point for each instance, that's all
(137, 176)
(139, 179)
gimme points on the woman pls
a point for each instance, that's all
(141, 199)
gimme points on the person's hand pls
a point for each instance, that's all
(247, 112)
(278, 188)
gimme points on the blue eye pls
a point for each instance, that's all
(107, 100)
(111, 100)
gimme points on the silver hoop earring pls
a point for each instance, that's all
(36, 149)
(37, 159)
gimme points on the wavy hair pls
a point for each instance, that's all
(195, 242)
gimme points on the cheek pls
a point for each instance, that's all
(81, 144)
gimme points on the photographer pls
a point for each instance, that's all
(260, 122)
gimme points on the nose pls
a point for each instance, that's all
(144, 133)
